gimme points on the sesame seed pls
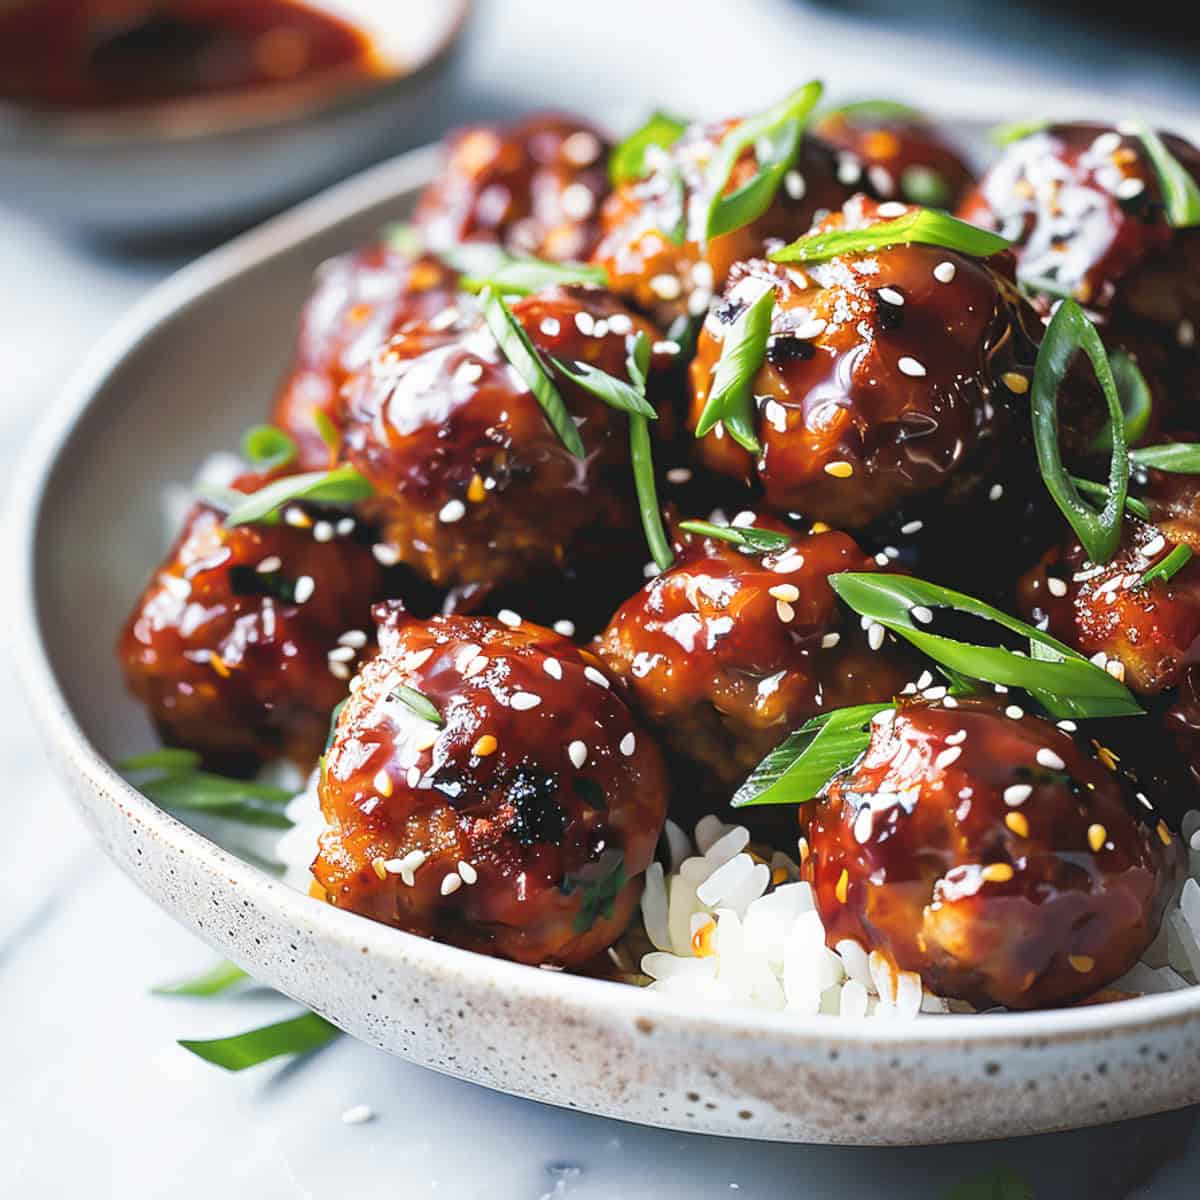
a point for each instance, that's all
(553, 668)
(297, 518)
(1097, 835)
(1154, 546)
(881, 180)
(353, 637)
(924, 680)
(303, 589)
(784, 611)
(789, 593)
(947, 757)
(564, 629)
(875, 636)
(1129, 187)
(628, 744)
(550, 326)
(467, 873)
(451, 883)
(893, 208)
(839, 469)
(830, 640)
(269, 564)
(474, 666)
(1016, 383)
(1017, 794)
(468, 372)
(810, 329)
(1015, 711)
(957, 738)
(744, 518)
(506, 616)
(1082, 963)
(484, 746)
(1185, 334)
(597, 677)
(1056, 587)
(414, 660)
(524, 701)
(1017, 823)
(581, 148)
(1116, 668)
(577, 201)
(345, 526)
(890, 296)
(379, 866)
(881, 559)
(1051, 761)
(679, 475)
(944, 272)
(997, 873)
(935, 693)
(1069, 726)
(382, 782)
(359, 1114)
(577, 752)
(666, 287)
(912, 527)
(794, 185)
(996, 491)
(322, 531)
(622, 323)
(910, 366)
(864, 824)
(452, 510)
(342, 654)
(412, 776)
(385, 555)
(666, 346)
(1106, 143)
(921, 613)
(585, 323)
(849, 170)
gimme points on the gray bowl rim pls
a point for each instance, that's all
(55, 439)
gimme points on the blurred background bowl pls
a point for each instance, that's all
(203, 163)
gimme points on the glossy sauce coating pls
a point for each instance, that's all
(1084, 204)
(359, 301)
(886, 374)
(671, 278)
(726, 652)
(474, 488)
(233, 653)
(903, 157)
(519, 828)
(992, 854)
(535, 187)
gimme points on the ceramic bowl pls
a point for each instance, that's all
(185, 373)
(197, 165)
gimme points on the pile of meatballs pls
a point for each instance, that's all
(571, 696)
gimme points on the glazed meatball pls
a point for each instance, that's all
(673, 278)
(886, 375)
(359, 301)
(988, 851)
(519, 821)
(535, 187)
(903, 156)
(245, 637)
(474, 488)
(1085, 207)
(728, 651)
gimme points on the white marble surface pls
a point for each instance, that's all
(97, 1097)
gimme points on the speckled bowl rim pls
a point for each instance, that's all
(602, 1001)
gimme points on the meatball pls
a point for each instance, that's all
(519, 821)
(1085, 207)
(885, 376)
(988, 851)
(673, 278)
(904, 156)
(474, 487)
(245, 637)
(359, 301)
(728, 651)
(535, 187)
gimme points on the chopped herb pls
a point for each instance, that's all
(267, 448)
(519, 350)
(797, 769)
(419, 703)
(327, 431)
(516, 276)
(180, 786)
(1067, 685)
(1089, 487)
(775, 136)
(865, 112)
(343, 485)
(744, 537)
(405, 238)
(212, 982)
(627, 163)
(637, 364)
(1167, 568)
(922, 227)
(299, 1035)
(925, 186)
(1137, 405)
(1017, 131)
(1070, 331)
(1176, 458)
(1181, 196)
(616, 393)
(166, 759)
(601, 883)
(333, 720)
(730, 399)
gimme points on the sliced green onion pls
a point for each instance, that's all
(744, 537)
(521, 276)
(1167, 568)
(924, 185)
(677, 234)
(212, 982)
(519, 350)
(266, 447)
(601, 883)
(730, 398)
(873, 110)
(231, 799)
(1181, 196)
(166, 759)
(419, 703)
(922, 227)
(1069, 686)
(405, 238)
(627, 163)
(1016, 131)
(299, 1035)
(797, 769)
(780, 126)
(647, 494)
(342, 485)
(1068, 332)
(616, 393)
(1137, 405)
(1089, 487)
(1176, 458)
(327, 430)
(684, 331)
